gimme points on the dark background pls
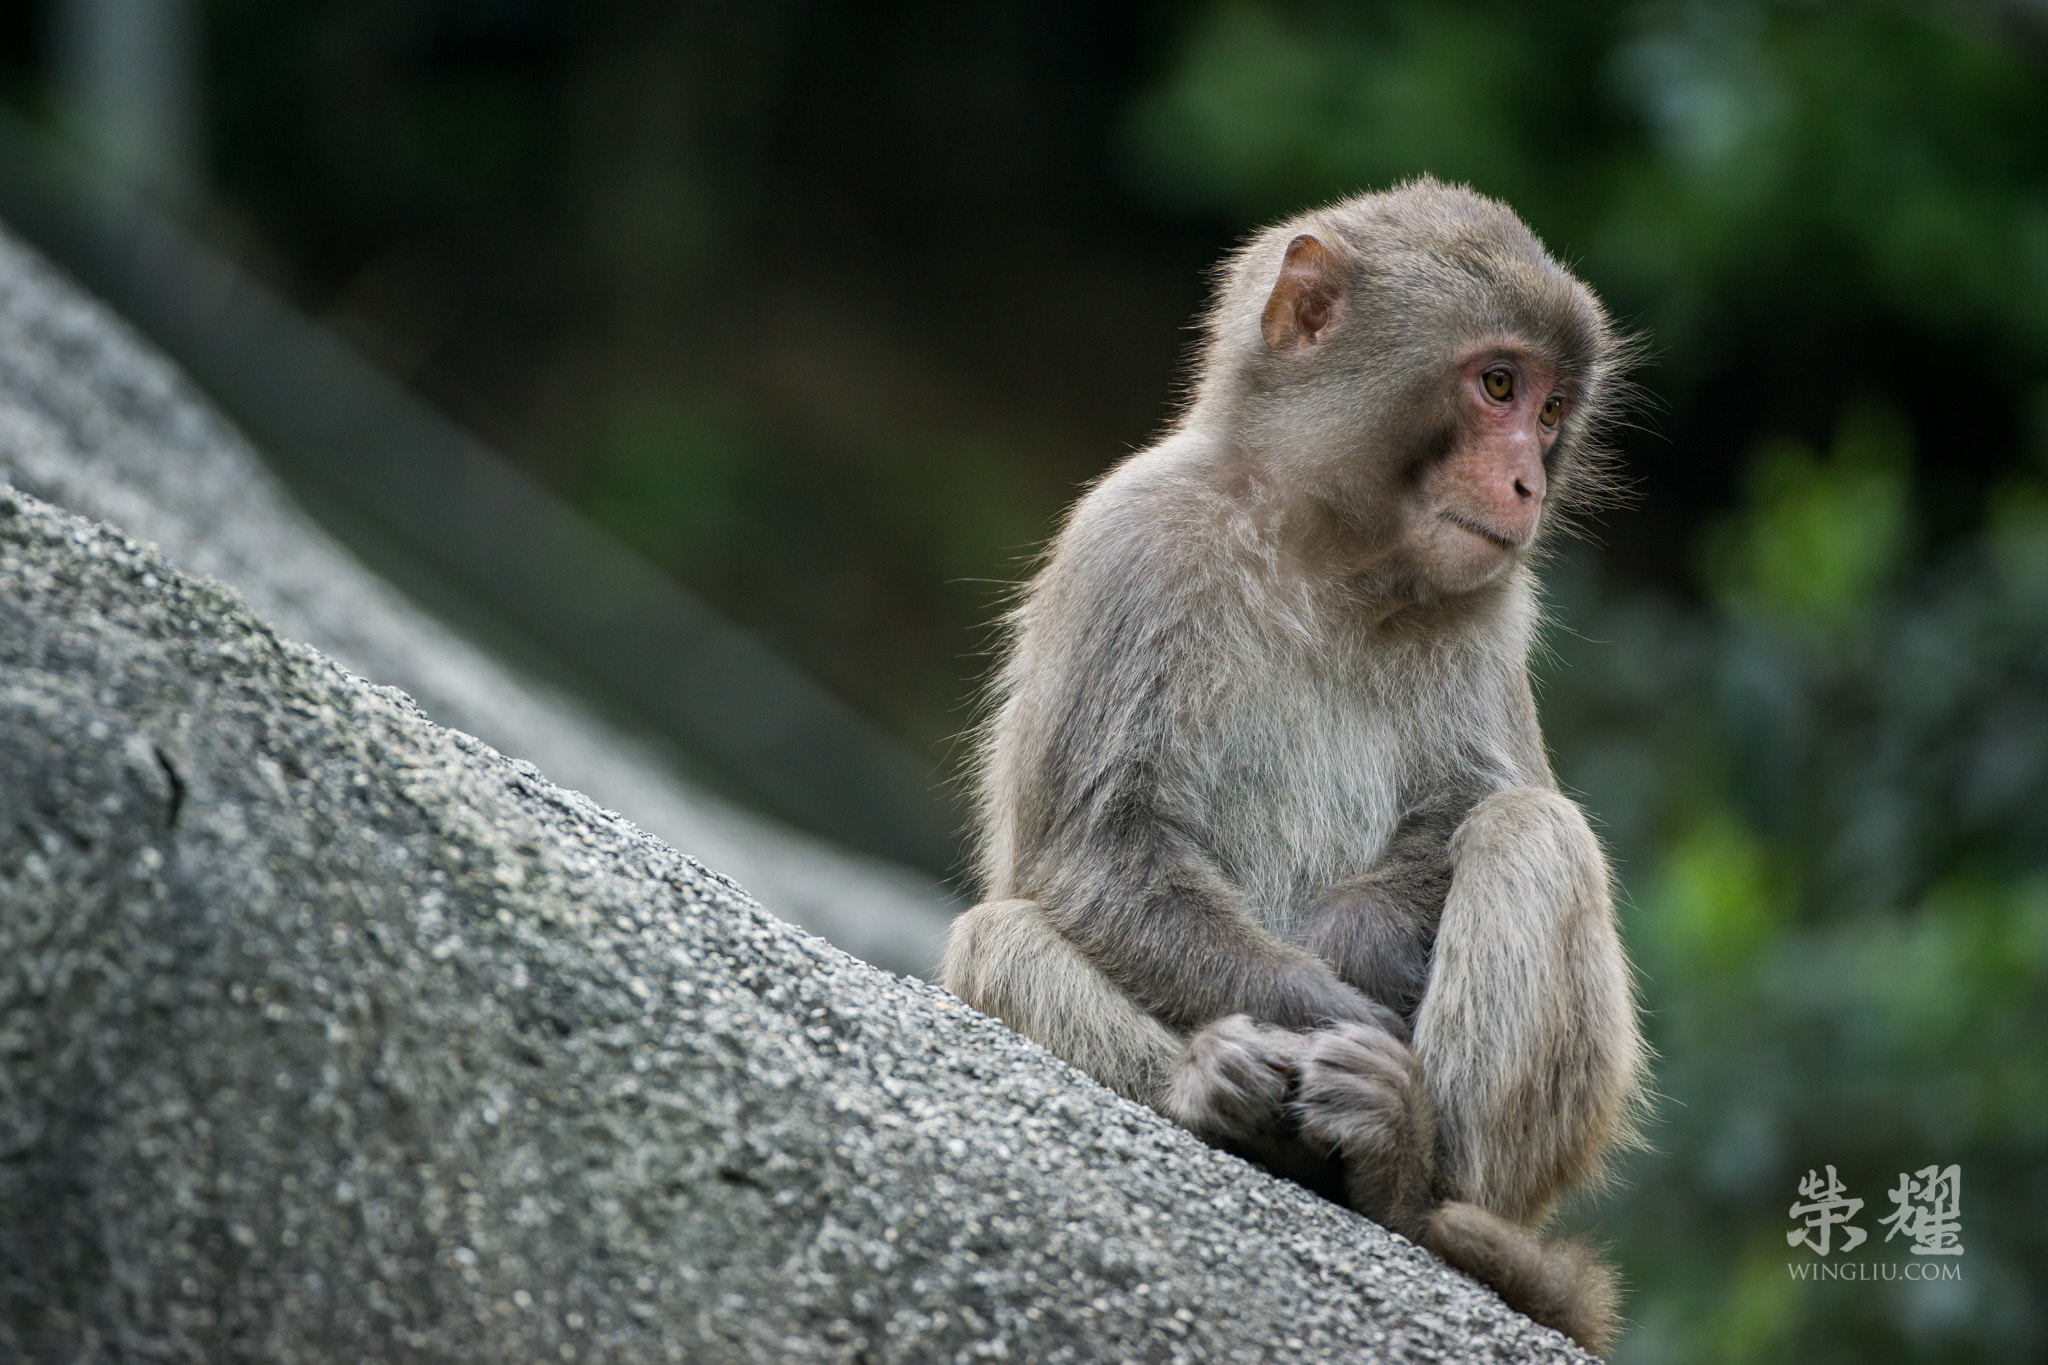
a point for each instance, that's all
(828, 309)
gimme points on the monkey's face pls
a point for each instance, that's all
(1476, 499)
(1427, 389)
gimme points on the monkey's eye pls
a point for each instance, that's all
(1500, 385)
(1553, 408)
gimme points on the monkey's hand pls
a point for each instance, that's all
(1232, 1083)
(1360, 1095)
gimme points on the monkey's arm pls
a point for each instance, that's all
(1119, 959)
(1376, 931)
(1160, 922)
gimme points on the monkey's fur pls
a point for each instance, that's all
(1268, 834)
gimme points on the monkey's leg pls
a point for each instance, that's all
(1005, 958)
(1560, 1282)
(1527, 1031)
(1529, 1050)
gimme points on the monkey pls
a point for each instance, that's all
(1267, 835)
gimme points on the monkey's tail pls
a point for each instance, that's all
(1561, 1283)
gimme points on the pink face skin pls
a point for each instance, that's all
(1481, 505)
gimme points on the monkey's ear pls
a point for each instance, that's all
(1306, 300)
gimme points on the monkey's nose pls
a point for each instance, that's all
(1514, 493)
(1526, 480)
(1499, 485)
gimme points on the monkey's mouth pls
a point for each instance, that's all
(1483, 531)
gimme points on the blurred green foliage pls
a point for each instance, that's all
(1710, 165)
(1823, 765)
(1818, 539)
(672, 482)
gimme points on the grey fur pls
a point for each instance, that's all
(1261, 784)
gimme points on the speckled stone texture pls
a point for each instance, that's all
(330, 1035)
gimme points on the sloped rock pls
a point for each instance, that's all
(329, 1034)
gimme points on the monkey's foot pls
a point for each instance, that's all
(1360, 1095)
(1232, 1082)
(1562, 1284)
